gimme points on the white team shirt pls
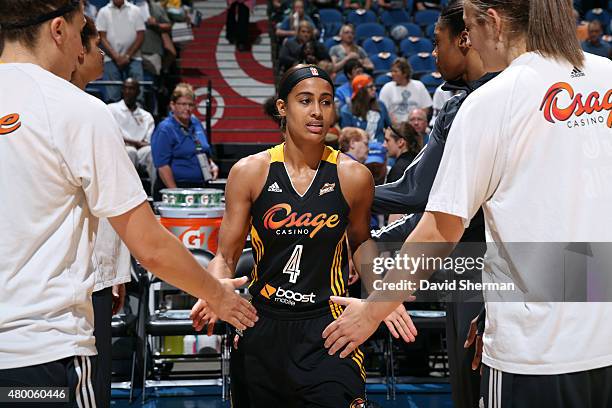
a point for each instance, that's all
(136, 126)
(440, 97)
(400, 100)
(538, 171)
(121, 26)
(64, 167)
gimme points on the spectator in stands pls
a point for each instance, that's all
(594, 44)
(402, 144)
(392, 4)
(237, 23)
(348, 50)
(418, 120)
(158, 51)
(377, 164)
(291, 49)
(365, 112)
(89, 9)
(136, 126)
(357, 4)
(276, 10)
(353, 142)
(181, 152)
(121, 30)
(328, 66)
(404, 93)
(344, 92)
(289, 26)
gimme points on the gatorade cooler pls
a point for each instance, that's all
(195, 227)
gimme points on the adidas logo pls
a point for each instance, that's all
(576, 73)
(275, 188)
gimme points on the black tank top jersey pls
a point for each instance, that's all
(299, 242)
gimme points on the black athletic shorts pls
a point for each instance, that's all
(76, 373)
(582, 389)
(287, 365)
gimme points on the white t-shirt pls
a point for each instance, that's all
(540, 178)
(121, 26)
(136, 126)
(439, 99)
(400, 100)
(64, 167)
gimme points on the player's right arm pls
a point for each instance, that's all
(245, 182)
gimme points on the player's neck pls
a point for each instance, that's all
(474, 68)
(303, 155)
(14, 52)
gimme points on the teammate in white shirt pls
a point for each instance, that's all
(529, 147)
(63, 166)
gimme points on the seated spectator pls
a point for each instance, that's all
(594, 44)
(328, 66)
(354, 143)
(181, 152)
(392, 4)
(289, 26)
(404, 93)
(402, 144)
(291, 49)
(418, 120)
(348, 50)
(158, 51)
(121, 29)
(376, 162)
(344, 92)
(365, 112)
(136, 126)
(357, 4)
(277, 9)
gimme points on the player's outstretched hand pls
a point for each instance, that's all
(399, 324)
(230, 307)
(202, 315)
(351, 329)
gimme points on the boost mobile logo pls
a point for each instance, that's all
(286, 296)
(578, 106)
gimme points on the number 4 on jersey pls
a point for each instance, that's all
(293, 265)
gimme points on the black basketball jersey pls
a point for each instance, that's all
(299, 242)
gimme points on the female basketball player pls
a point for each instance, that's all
(508, 151)
(300, 201)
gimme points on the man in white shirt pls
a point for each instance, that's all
(418, 120)
(404, 94)
(63, 166)
(136, 125)
(121, 29)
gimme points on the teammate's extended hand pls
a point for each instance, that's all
(474, 335)
(351, 329)
(399, 324)
(230, 307)
(201, 315)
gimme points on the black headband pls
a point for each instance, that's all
(300, 74)
(73, 5)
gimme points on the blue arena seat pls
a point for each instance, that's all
(414, 45)
(599, 14)
(429, 31)
(432, 81)
(426, 17)
(393, 17)
(367, 30)
(331, 41)
(374, 45)
(422, 63)
(330, 15)
(382, 62)
(329, 30)
(382, 79)
(358, 17)
(340, 79)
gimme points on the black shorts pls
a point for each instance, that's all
(287, 365)
(77, 373)
(588, 389)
